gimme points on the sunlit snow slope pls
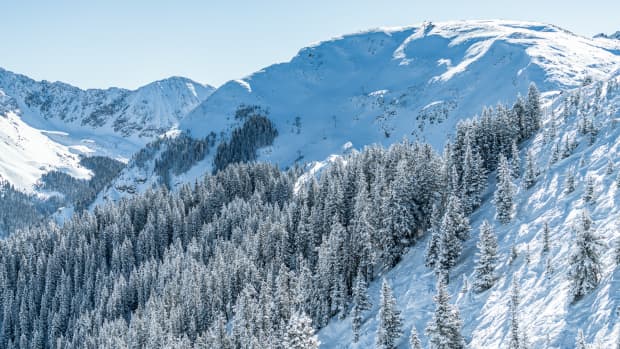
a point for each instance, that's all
(546, 313)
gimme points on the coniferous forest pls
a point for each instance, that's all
(254, 256)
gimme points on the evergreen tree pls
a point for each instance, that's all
(569, 182)
(588, 192)
(484, 272)
(530, 171)
(546, 238)
(444, 329)
(504, 193)
(515, 160)
(361, 303)
(610, 167)
(533, 110)
(414, 340)
(390, 321)
(580, 341)
(300, 334)
(515, 338)
(433, 246)
(585, 262)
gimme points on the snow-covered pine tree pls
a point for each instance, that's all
(473, 173)
(390, 321)
(361, 303)
(414, 339)
(546, 238)
(432, 248)
(588, 191)
(580, 341)
(533, 110)
(504, 193)
(514, 254)
(444, 329)
(610, 167)
(555, 154)
(515, 160)
(300, 333)
(618, 180)
(585, 262)
(569, 182)
(484, 272)
(450, 247)
(515, 338)
(529, 177)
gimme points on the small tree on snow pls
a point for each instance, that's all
(361, 303)
(610, 167)
(588, 192)
(444, 329)
(515, 160)
(504, 193)
(546, 238)
(300, 334)
(569, 182)
(390, 321)
(484, 273)
(529, 179)
(585, 264)
(414, 340)
(515, 338)
(580, 341)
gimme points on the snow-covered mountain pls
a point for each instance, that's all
(546, 312)
(47, 124)
(382, 85)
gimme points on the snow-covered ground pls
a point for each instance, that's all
(546, 313)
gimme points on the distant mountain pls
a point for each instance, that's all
(615, 36)
(48, 124)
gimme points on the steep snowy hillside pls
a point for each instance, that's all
(47, 125)
(381, 85)
(581, 138)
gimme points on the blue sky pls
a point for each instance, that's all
(130, 43)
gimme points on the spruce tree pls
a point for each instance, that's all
(610, 167)
(484, 272)
(546, 238)
(569, 182)
(504, 193)
(361, 303)
(300, 333)
(433, 246)
(580, 341)
(515, 160)
(444, 329)
(588, 192)
(414, 340)
(585, 262)
(515, 338)
(390, 321)
(533, 110)
(529, 177)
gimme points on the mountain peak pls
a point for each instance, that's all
(615, 36)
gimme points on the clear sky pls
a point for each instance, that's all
(103, 43)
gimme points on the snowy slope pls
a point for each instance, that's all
(381, 85)
(546, 311)
(46, 125)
